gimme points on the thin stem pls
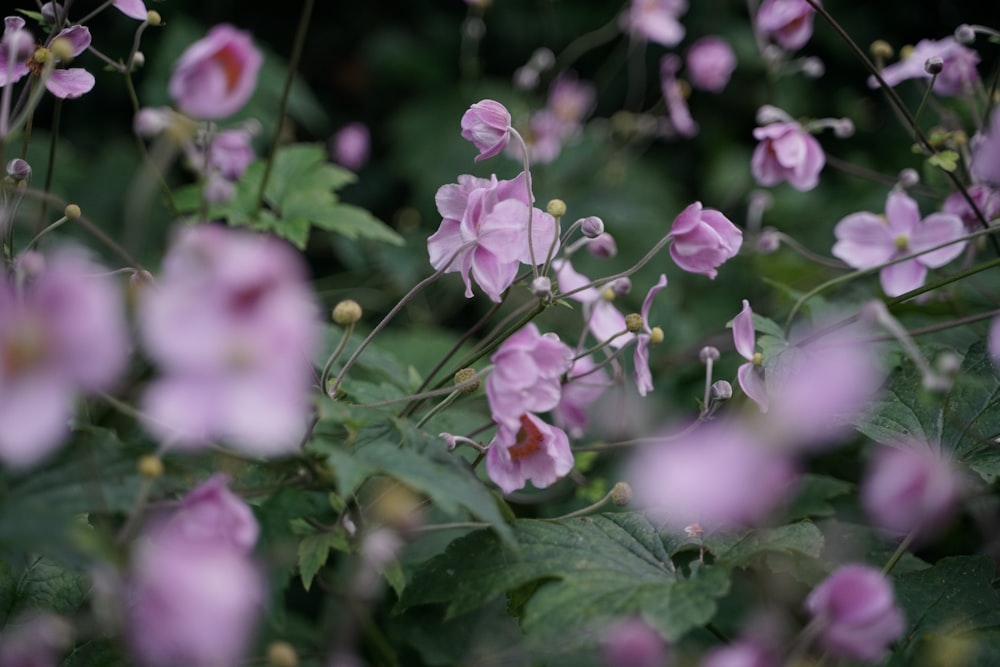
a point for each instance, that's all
(324, 377)
(898, 553)
(449, 526)
(588, 509)
(55, 225)
(293, 65)
(642, 441)
(708, 382)
(809, 254)
(439, 407)
(531, 201)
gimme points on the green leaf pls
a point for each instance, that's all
(815, 493)
(591, 569)
(947, 160)
(38, 583)
(354, 223)
(743, 550)
(313, 552)
(965, 421)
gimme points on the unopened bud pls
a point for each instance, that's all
(708, 353)
(541, 287)
(633, 322)
(62, 49)
(720, 391)
(603, 246)
(281, 654)
(153, 17)
(592, 226)
(621, 494)
(72, 211)
(656, 335)
(813, 67)
(622, 286)
(556, 208)
(908, 178)
(948, 364)
(138, 60)
(346, 312)
(881, 49)
(465, 375)
(843, 128)
(449, 441)
(768, 241)
(150, 466)
(965, 34)
(49, 11)
(18, 169)
(934, 65)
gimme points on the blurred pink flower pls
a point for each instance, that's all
(216, 75)
(584, 386)
(527, 376)
(866, 240)
(229, 154)
(715, 474)
(40, 640)
(908, 488)
(631, 642)
(986, 152)
(786, 152)
(703, 239)
(351, 146)
(232, 326)
(487, 125)
(135, 9)
(987, 200)
(787, 22)
(484, 232)
(531, 450)
(16, 45)
(710, 63)
(211, 514)
(856, 612)
(957, 76)
(739, 654)
(677, 108)
(643, 378)
(571, 100)
(61, 335)
(751, 374)
(656, 20)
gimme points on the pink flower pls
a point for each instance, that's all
(570, 101)
(584, 386)
(211, 514)
(63, 334)
(532, 450)
(786, 152)
(632, 643)
(739, 654)
(656, 20)
(909, 487)
(986, 152)
(134, 9)
(229, 154)
(351, 146)
(643, 378)
(957, 76)
(16, 45)
(603, 319)
(677, 108)
(527, 376)
(216, 75)
(703, 239)
(866, 240)
(751, 374)
(63, 83)
(232, 326)
(710, 63)
(40, 640)
(716, 474)
(487, 125)
(787, 22)
(856, 612)
(987, 200)
(484, 232)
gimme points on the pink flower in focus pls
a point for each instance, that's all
(232, 326)
(910, 488)
(786, 152)
(212, 514)
(216, 75)
(63, 83)
(584, 386)
(484, 232)
(63, 334)
(527, 376)
(677, 108)
(856, 612)
(710, 63)
(351, 146)
(986, 152)
(866, 240)
(787, 22)
(603, 319)
(643, 378)
(134, 9)
(987, 200)
(751, 374)
(703, 239)
(633, 643)
(656, 20)
(487, 125)
(739, 654)
(716, 474)
(957, 76)
(531, 450)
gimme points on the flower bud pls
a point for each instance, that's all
(621, 494)
(633, 322)
(72, 211)
(138, 60)
(465, 375)
(965, 34)
(49, 11)
(346, 312)
(768, 241)
(656, 335)
(149, 122)
(487, 125)
(592, 226)
(153, 17)
(708, 353)
(282, 654)
(541, 287)
(934, 65)
(813, 67)
(622, 286)
(843, 128)
(948, 364)
(150, 466)
(449, 441)
(603, 246)
(556, 208)
(720, 391)
(881, 49)
(908, 178)
(19, 170)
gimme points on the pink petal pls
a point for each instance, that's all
(903, 277)
(902, 212)
(492, 274)
(863, 241)
(647, 303)
(78, 36)
(743, 332)
(936, 229)
(69, 84)
(752, 383)
(135, 9)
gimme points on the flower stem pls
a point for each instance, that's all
(324, 377)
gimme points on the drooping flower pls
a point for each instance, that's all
(677, 108)
(751, 374)
(232, 325)
(487, 125)
(710, 62)
(958, 74)
(216, 75)
(866, 240)
(986, 152)
(656, 20)
(527, 376)
(910, 488)
(351, 146)
(787, 22)
(134, 9)
(585, 383)
(63, 83)
(63, 334)
(703, 239)
(643, 378)
(484, 232)
(856, 612)
(530, 450)
(986, 199)
(786, 152)
(631, 642)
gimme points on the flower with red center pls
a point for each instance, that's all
(532, 450)
(216, 75)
